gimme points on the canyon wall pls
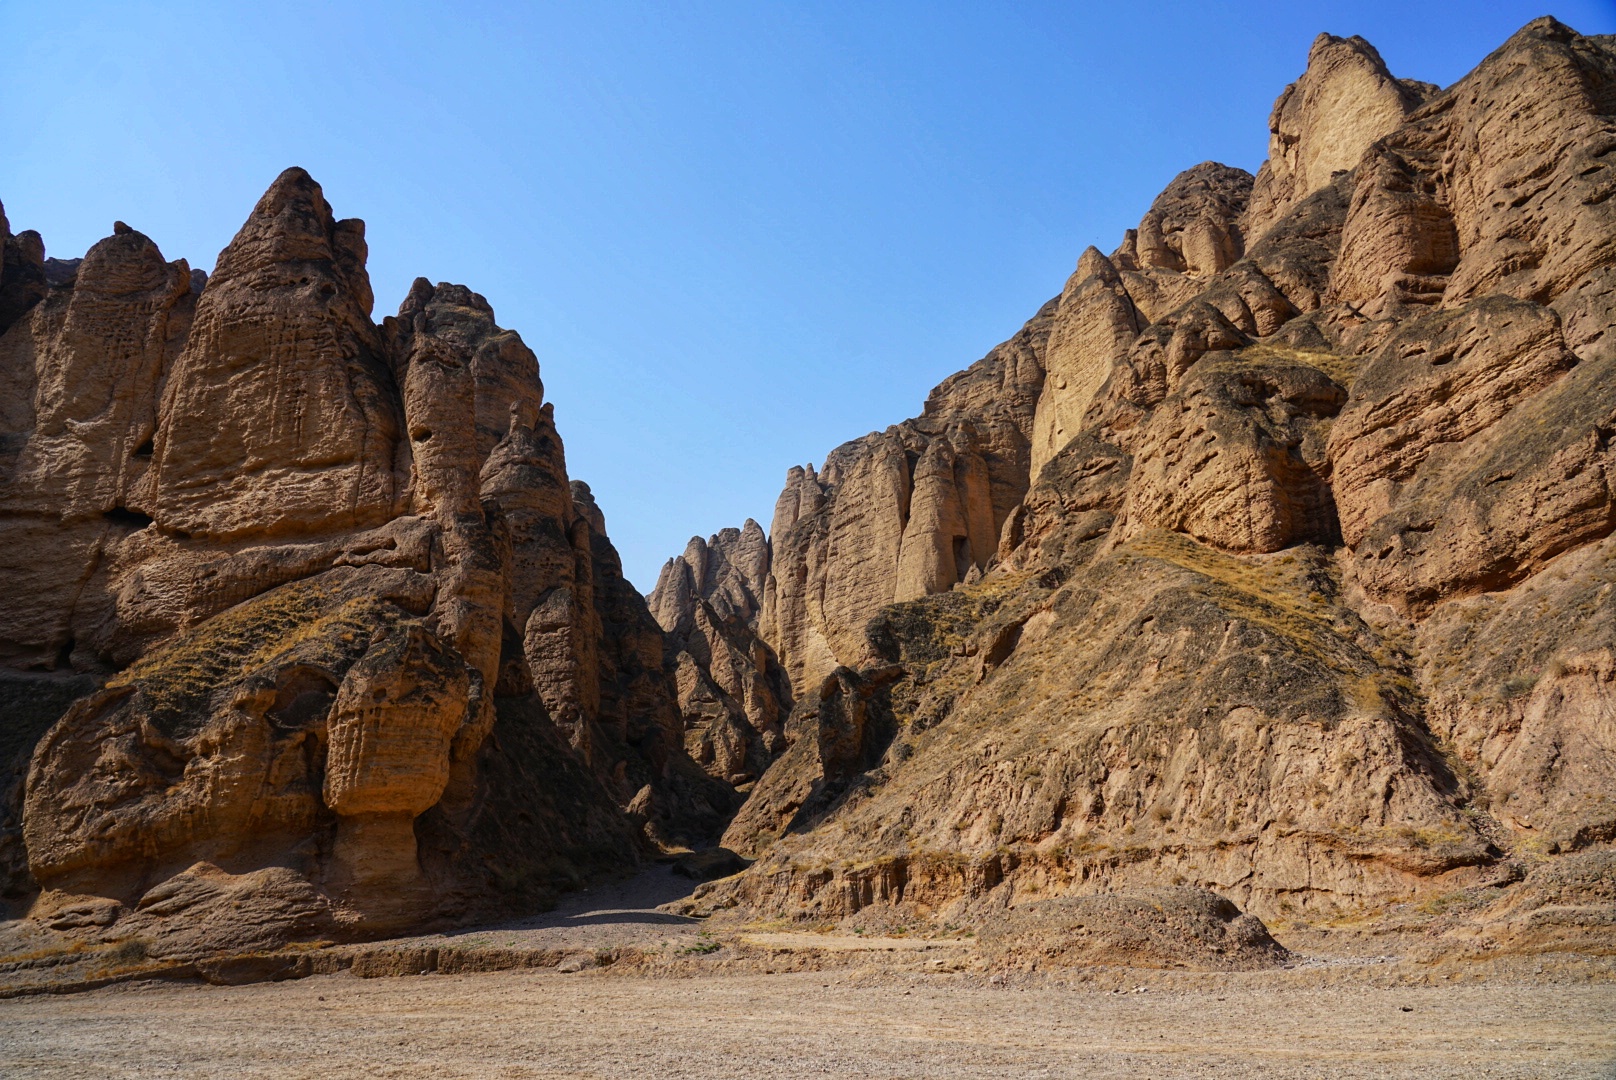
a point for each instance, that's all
(1303, 500)
(305, 609)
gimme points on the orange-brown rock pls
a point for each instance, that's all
(1234, 457)
(83, 367)
(1307, 601)
(23, 280)
(345, 622)
(1323, 123)
(282, 357)
(912, 509)
(1095, 323)
(733, 694)
(1440, 380)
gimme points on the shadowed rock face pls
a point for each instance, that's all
(733, 695)
(1305, 594)
(354, 651)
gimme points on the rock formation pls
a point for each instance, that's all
(1304, 501)
(1271, 563)
(306, 619)
(901, 513)
(733, 694)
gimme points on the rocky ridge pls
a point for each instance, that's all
(309, 633)
(1302, 504)
(1269, 564)
(733, 694)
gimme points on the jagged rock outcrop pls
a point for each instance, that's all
(1234, 457)
(352, 650)
(902, 513)
(733, 693)
(23, 280)
(1307, 599)
(834, 736)
(1323, 122)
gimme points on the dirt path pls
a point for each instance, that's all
(597, 1024)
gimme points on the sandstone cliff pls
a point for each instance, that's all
(733, 693)
(305, 618)
(1304, 499)
(901, 513)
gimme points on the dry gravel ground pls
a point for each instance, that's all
(875, 1011)
(600, 1024)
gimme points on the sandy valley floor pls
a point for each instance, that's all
(883, 1009)
(597, 1024)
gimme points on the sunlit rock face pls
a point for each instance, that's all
(292, 591)
(1304, 500)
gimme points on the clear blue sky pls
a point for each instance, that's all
(735, 234)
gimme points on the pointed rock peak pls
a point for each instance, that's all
(22, 273)
(416, 300)
(292, 223)
(30, 247)
(1206, 185)
(1092, 262)
(584, 501)
(447, 308)
(1344, 102)
(751, 529)
(1542, 28)
(1192, 227)
(1327, 48)
(293, 205)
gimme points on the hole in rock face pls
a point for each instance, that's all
(422, 435)
(962, 557)
(64, 655)
(122, 515)
(303, 697)
(145, 449)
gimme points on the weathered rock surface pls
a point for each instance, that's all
(1271, 560)
(1306, 598)
(1324, 121)
(733, 694)
(354, 652)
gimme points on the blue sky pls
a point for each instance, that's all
(735, 234)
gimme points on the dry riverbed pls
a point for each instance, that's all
(849, 1023)
(608, 985)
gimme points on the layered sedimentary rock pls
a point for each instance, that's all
(1306, 598)
(334, 640)
(902, 513)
